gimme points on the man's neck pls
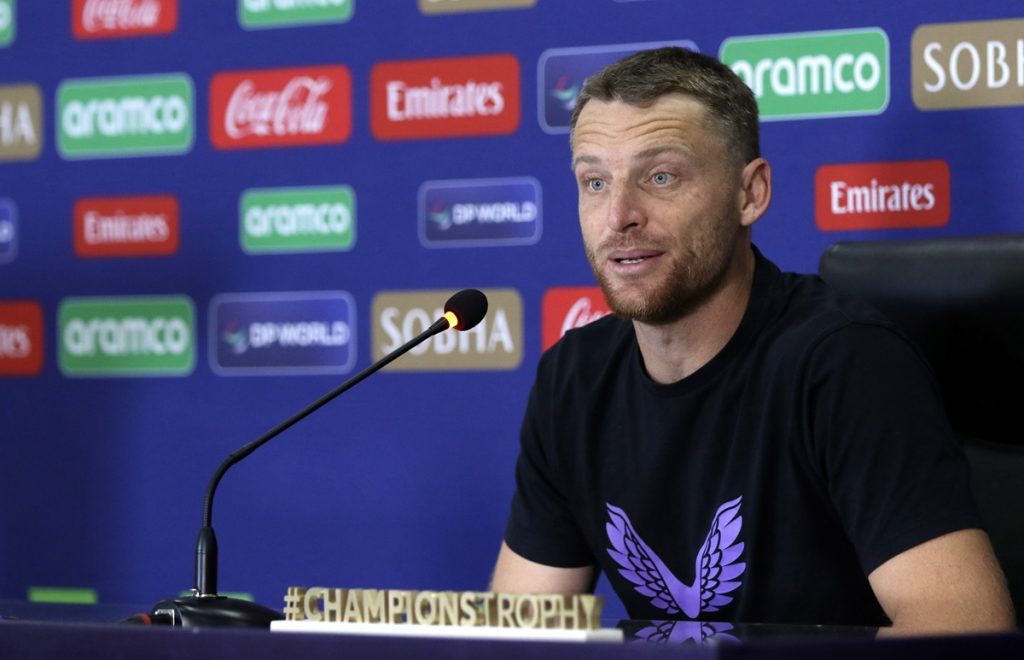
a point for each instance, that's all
(675, 350)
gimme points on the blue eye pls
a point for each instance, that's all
(661, 178)
(595, 185)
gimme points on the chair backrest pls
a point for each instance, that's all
(962, 301)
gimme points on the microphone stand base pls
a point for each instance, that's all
(214, 612)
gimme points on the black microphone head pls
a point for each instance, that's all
(469, 307)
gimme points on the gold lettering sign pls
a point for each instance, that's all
(443, 608)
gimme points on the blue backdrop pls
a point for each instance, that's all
(405, 481)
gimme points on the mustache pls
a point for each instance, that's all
(632, 242)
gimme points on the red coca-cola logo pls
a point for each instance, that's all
(21, 338)
(281, 107)
(565, 308)
(103, 19)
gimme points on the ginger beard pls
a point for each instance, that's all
(697, 269)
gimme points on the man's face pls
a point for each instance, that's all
(659, 204)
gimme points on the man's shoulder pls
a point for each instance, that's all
(583, 351)
(806, 313)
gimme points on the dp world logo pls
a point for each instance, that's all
(131, 116)
(8, 231)
(480, 212)
(282, 333)
(561, 72)
(814, 74)
(132, 336)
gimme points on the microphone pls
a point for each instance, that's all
(204, 607)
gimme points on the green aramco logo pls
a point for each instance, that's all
(6, 22)
(131, 336)
(301, 219)
(254, 14)
(131, 116)
(814, 74)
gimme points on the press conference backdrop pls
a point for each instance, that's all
(212, 212)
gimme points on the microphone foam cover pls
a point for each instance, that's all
(469, 306)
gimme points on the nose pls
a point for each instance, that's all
(624, 209)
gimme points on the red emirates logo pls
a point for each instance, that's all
(565, 308)
(447, 97)
(126, 226)
(892, 195)
(105, 19)
(21, 338)
(281, 107)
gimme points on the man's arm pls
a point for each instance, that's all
(950, 584)
(514, 574)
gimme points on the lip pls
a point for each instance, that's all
(634, 261)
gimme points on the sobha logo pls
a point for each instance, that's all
(496, 343)
(968, 65)
(6, 22)
(310, 219)
(255, 14)
(133, 336)
(21, 122)
(136, 116)
(814, 74)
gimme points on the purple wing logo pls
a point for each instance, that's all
(701, 633)
(716, 569)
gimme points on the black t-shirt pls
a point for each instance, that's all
(765, 486)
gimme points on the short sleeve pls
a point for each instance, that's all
(541, 526)
(894, 470)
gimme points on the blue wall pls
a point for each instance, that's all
(405, 481)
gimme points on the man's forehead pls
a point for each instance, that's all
(674, 119)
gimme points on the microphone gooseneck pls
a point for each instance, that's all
(462, 311)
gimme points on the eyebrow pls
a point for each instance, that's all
(646, 154)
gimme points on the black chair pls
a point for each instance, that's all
(962, 300)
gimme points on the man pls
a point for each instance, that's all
(736, 443)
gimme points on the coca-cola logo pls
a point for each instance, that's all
(98, 19)
(280, 107)
(298, 109)
(565, 308)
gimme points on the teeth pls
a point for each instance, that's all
(630, 261)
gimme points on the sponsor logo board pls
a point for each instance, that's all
(281, 107)
(495, 344)
(565, 308)
(889, 195)
(287, 333)
(21, 122)
(128, 336)
(814, 74)
(480, 212)
(7, 22)
(136, 226)
(429, 7)
(21, 338)
(256, 14)
(446, 97)
(968, 65)
(562, 71)
(8, 230)
(127, 116)
(302, 219)
(105, 19)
